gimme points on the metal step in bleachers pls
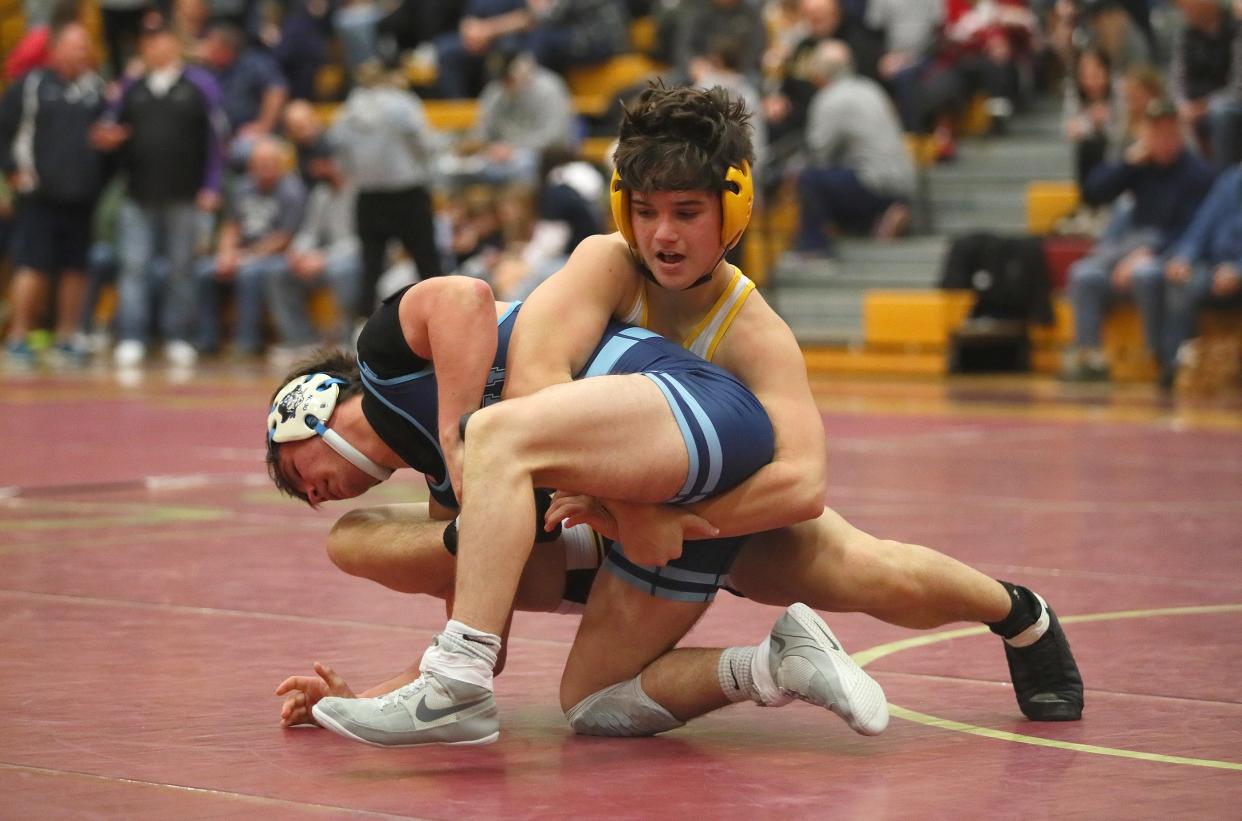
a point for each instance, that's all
(983, 189)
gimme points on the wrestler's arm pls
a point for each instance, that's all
(451, 322)
(564, 318)
(764, 355)
(762, 352)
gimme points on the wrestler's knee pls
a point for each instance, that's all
(498, 429)
(622, 709)
(346, 541)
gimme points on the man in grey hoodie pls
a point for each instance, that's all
(387, 150)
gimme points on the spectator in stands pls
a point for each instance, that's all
(189, 21)
(705, 22)
(262, 213)
(486, 25)
(476, 235)
(860, 176)
(567, 212)
(299, 44)
(929, 91)
(122, 20)
(389, 152)
(325, 251)
(721, 65)
(568, 33)
(357, 30)
(1092, 115)
(785, 107)
(993, 45)
(246, 15)
(32, 50)
(1140, 85)
(1205, 77)
(173, 128)
(1201, 269)
(254, 89)
(48, 153)
(1107, 25)
(1167, 182)
(312, 153)
(524, 110)
(414, 24)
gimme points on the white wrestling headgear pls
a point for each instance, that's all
(301, 410)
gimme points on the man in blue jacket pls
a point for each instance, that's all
(1166, 183)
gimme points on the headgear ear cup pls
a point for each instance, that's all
(619, 198)
(736, 205)
(737, 199)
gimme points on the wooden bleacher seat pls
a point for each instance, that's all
(643, 34)
(593, 87)
(913, 318)
(595, 150)
(1047, 202)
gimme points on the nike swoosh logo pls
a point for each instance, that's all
(424, 713)
(835, 646)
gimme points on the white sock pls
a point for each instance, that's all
(764, 677)
(734, 674)
(743, 673)
(463, 653)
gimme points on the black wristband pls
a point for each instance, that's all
(450, 538)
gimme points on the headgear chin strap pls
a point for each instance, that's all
(300, 411)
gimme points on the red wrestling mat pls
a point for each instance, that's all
(145, 622)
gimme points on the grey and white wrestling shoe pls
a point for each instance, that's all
(807, 662)
(432, 709)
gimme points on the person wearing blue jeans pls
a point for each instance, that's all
(170, 119)
(1201, 269)
(143, 229)
(1166, 183)
(249, 279)
(839, 197)
(263, 212)
(326, 251)
(1114, 270)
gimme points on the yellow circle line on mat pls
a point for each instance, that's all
(865, 657)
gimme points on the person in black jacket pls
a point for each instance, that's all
(48, 154)
(173, 126)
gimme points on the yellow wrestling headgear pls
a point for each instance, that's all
(737, 199)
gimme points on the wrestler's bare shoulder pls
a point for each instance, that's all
(755, 338)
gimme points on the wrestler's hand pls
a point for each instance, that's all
(653, 534)
(580, 509)
(303, 692)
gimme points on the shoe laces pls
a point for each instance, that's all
(402, 693)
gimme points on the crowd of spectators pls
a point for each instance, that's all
(1156, 129)
(232, 198)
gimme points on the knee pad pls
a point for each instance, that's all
(621, 710)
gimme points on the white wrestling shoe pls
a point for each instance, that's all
(432, 709)
(808, 663)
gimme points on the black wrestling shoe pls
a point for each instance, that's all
(1045, 676)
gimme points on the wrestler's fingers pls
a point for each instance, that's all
(334, 681)
(293, 683)
(696, 527)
